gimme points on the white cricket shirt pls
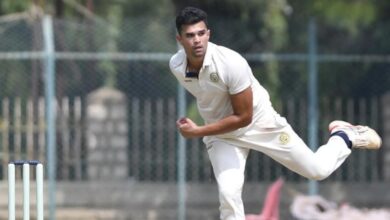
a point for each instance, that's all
(224, 72)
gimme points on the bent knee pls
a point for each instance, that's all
(318, 176)
(230, 189)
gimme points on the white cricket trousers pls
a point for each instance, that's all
(228, 158)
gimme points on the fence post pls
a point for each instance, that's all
(312, 97)
(181, 152)
(386, 135)
(49, 65)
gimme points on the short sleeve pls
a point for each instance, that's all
(239, 76)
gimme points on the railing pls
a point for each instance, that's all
(152, 135)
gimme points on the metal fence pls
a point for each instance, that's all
(133, 60)
(87, 59)
(152, 139)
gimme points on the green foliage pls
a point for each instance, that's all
(12, 76)
(12, 6)
(250, 26)
(351, 15)
(134, 8)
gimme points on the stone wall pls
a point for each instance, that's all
(107, 138)
(158, 201)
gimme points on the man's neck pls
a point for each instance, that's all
(194, 65)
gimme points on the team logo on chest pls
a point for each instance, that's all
(214, 77)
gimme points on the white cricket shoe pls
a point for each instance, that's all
(361, 136)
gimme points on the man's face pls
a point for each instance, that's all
(194, 38)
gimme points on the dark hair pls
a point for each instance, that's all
(190, 15)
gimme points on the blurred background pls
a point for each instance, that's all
(85, 87)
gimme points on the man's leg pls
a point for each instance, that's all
(286, 147)
(228, 163)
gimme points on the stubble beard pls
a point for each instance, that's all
(199, 54)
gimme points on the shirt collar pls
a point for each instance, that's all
(208, 56)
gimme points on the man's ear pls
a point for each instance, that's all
(178, 38)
